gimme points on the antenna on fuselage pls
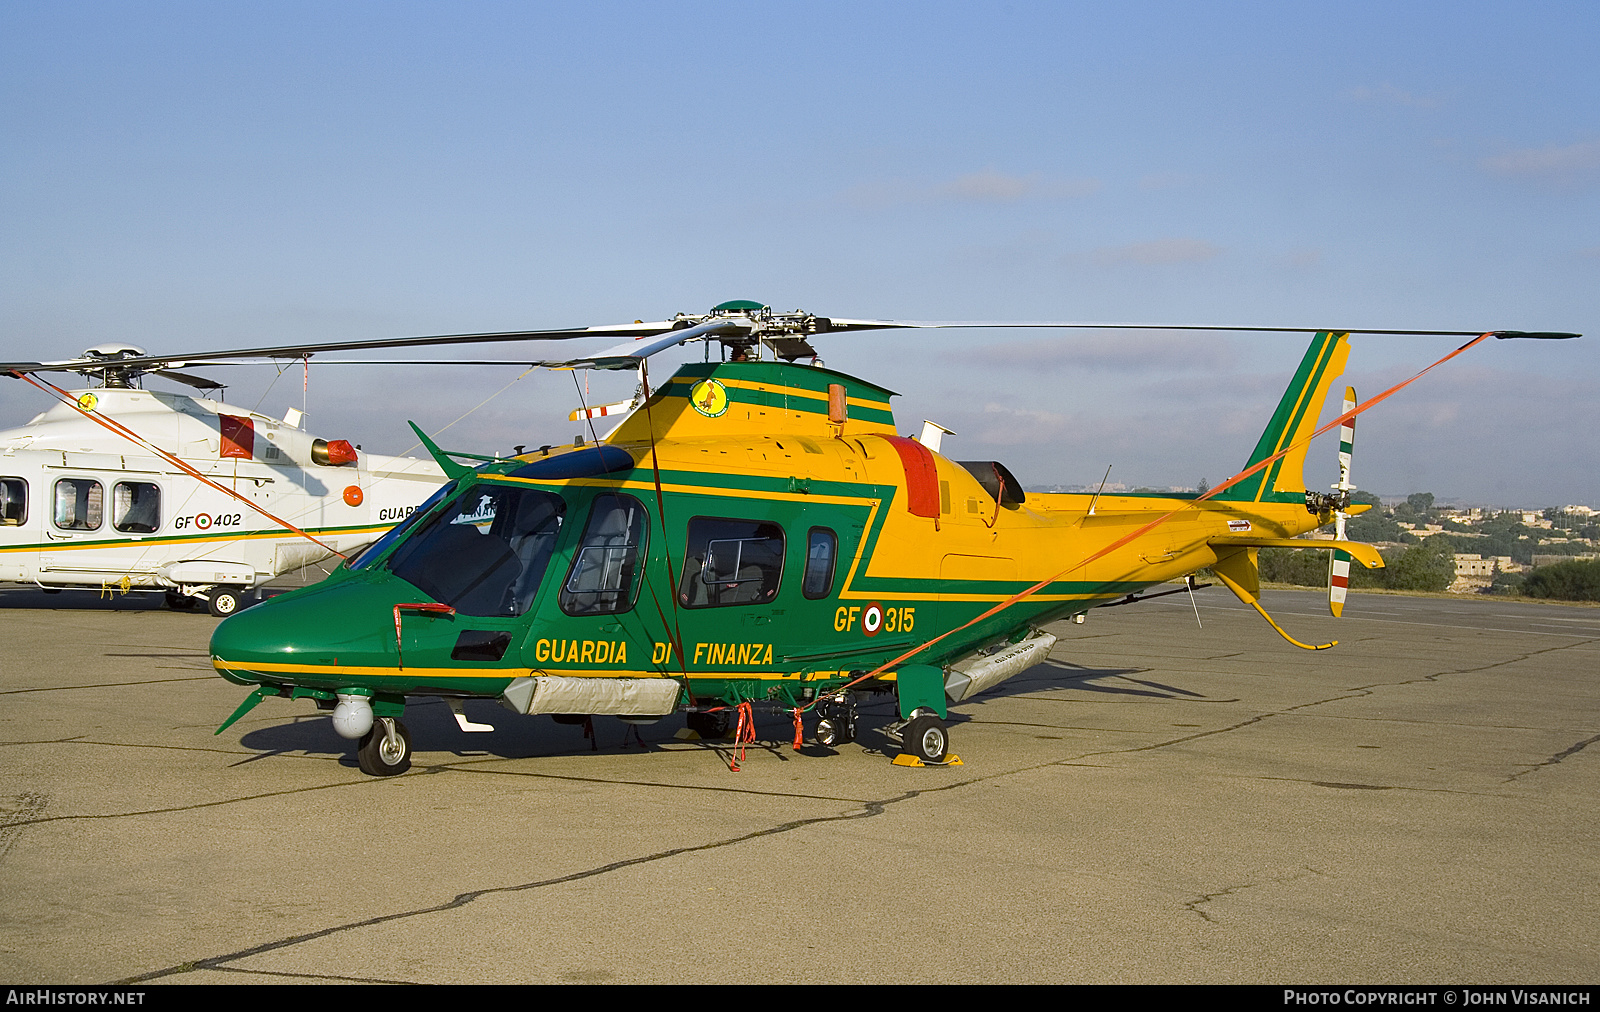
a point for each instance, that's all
(1101, 489)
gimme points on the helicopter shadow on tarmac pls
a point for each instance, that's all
(433, 728)
(1056, 675)
(111, 599)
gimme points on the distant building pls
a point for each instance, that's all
(1476, 573)
(1550, 560)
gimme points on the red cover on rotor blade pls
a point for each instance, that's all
(238, 437)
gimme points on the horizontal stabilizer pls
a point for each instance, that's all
(1360, 551)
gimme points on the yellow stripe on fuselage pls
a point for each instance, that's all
(363, 670)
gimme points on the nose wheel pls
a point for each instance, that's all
(385, 751)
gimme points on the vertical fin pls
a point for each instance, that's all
(1339, 565)
(1293, 421)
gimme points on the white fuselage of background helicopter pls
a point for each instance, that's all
(82, 506)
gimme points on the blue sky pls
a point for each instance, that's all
(188, 176)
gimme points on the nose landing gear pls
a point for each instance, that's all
(385, 750)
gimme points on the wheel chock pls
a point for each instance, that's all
(687, 734)
(910, 760)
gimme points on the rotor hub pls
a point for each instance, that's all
(783, 333)
(109, 375)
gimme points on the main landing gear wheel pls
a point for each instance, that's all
(926, 738)
(710, 726)
(383, 755)
(180, 602)
(224, 602)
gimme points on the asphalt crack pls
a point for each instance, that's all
(17, 817)
(109, 685)
(197, 806)
(868, 810)
(1564, 753)
(1193, 906)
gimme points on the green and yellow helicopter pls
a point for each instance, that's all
(756, 534)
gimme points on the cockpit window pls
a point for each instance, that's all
(366, 556)
(605, 575)
(485, 552)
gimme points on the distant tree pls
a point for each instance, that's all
(1507, 583)
(1577, 580)
(1294, 566)
(1375, 524)
(1205, 486)
(1429, 566)
(1420, 502)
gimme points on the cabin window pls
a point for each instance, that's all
(730, 562)
(821, 549)
(13, 501)
(605, 574)
(485, 552)
(136, 507)
(80, 504)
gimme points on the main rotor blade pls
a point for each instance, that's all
(628, 355)
(195, 381)
(293, 351)
(839, 324)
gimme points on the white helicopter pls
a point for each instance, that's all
(118, 488)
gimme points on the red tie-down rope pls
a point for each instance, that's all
(1242, 475)
(744, 734)
(138, 440)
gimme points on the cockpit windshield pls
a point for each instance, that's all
(365, 557)
(485, 552)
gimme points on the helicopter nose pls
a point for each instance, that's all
(289, 637)
(254, 643)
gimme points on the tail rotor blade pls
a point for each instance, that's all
(1339, 565)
